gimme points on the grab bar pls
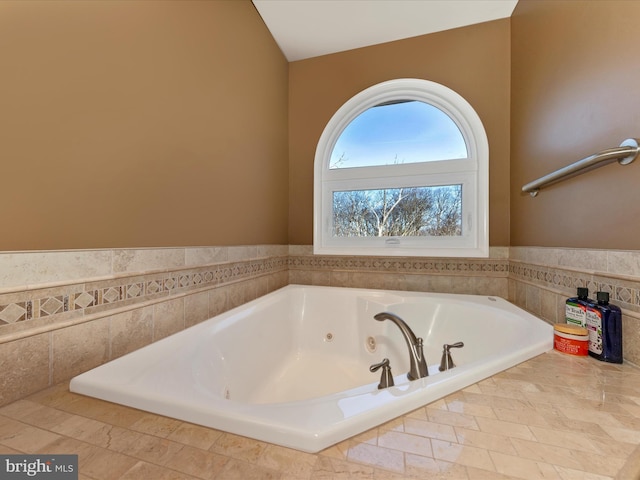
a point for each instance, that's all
(625, 154)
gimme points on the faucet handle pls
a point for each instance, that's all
(376, 366)
(453, 345)
(386, 379)
(447, 362)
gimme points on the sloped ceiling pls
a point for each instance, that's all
(310, 28)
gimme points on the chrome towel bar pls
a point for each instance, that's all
(625, 154)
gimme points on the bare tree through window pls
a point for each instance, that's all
(398, 212)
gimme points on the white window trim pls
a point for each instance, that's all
(474, 171)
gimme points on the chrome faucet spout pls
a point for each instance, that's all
(418, 364)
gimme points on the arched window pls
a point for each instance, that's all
(402, 168)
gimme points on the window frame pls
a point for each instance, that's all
(472, 172)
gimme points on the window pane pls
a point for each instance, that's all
(398, 132)
(398, 212)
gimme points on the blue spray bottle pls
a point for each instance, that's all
(604, 323)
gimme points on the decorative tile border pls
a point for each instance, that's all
(77, 298)
(623, 290)
(85, 298)
(623, 287)
(428, 266)
(16, 312)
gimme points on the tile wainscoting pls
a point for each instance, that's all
(541, 279)
(487, 276)
(536, 279)
(65, 312)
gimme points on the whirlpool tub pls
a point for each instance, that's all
(292, 367)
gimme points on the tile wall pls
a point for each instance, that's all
(536, 279)
(443, 275)
(65, 312)
(540, 280)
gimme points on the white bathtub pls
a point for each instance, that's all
(292, 367)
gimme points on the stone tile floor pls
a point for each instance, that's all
(552, 417)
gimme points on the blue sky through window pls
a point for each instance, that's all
(403, 132)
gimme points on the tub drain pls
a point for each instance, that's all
(370, 344)
(328, 337)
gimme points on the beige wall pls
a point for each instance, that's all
(474, 61)
(135, 124)
(575, 74)
(130, 124)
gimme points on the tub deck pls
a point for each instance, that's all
(553, 416)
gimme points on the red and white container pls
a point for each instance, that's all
(571, 339)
